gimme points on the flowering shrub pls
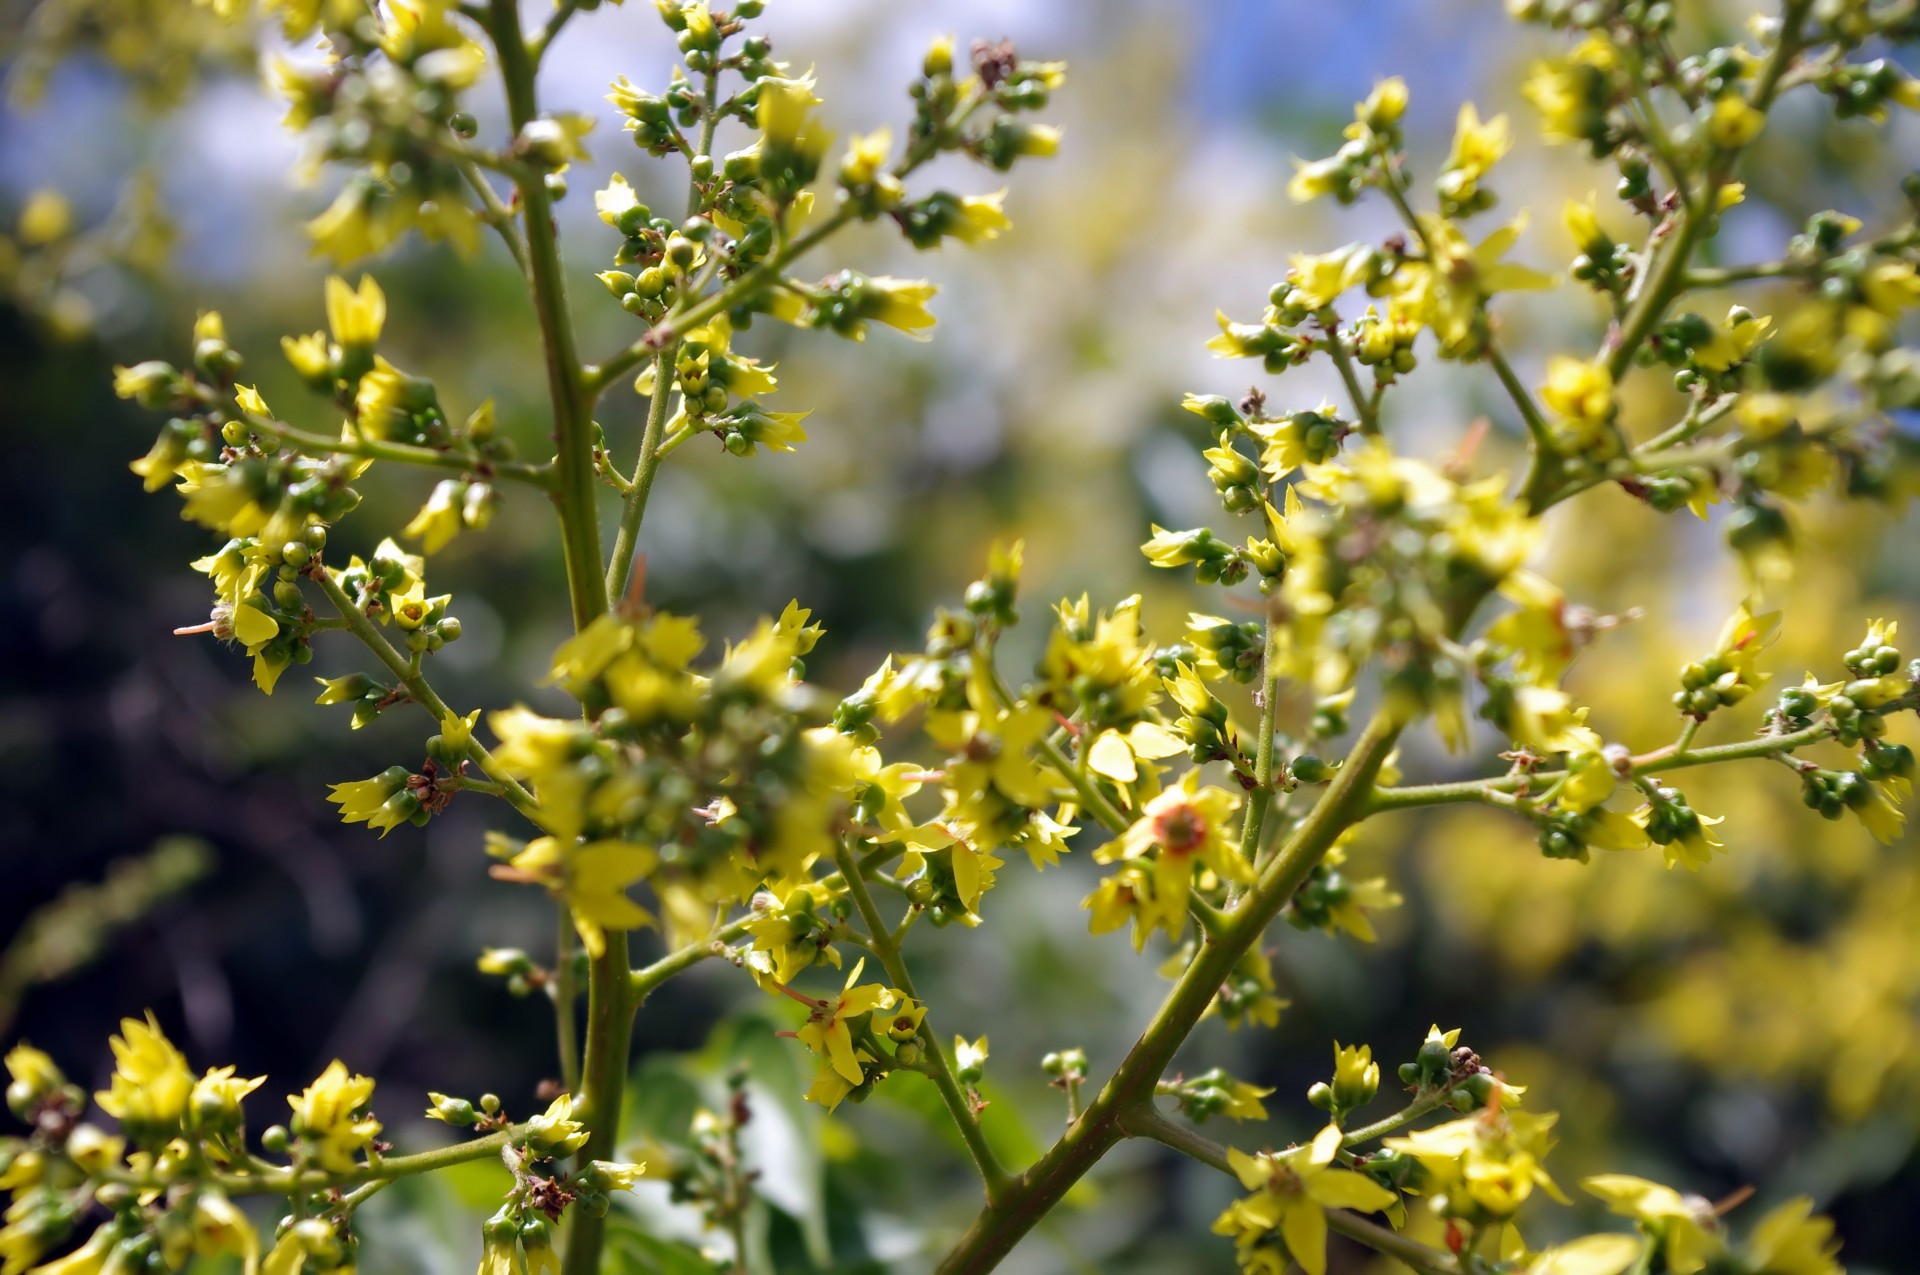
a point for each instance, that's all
(758, 820)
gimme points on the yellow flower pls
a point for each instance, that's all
(1447, 291)
(1688, 1233)
(1572, 93)
(89, 1259)
(900, 303)
(1356, 1076)
(311, 1237)
(616, 1175)
(1243, 1100)
(1588, 1255)
(1313, 179)
(324, 1114)
(1731, 344)
(791, 138)
(361, 221)
(826, 1032)
(220, 1228)
(980, 219)
(1291, 1192)
(371, 801)
(95, 1152)
(34, 1076)
(1791, 1241)
(151, 1083)
(1890, 287)
(1734, 122)
(1318, 280)
(218, 1094)
(1487, 1163)
(593, 879)
(355, 315)
(46, 217)
(554, 1132)
(1880, 814)
(618, 206)
(1385, 105)
(1583, 223)
(1123, 898)
(1183, 828)
(829, 1088)
(1544, 717)
(441, 518)
(1477, 147)
(1581, 393)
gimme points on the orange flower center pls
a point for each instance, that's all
(1180, 829)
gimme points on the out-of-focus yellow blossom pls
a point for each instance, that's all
(1581, 393)
(1318, 280)
(1688, 1232)
(1484, 1165)
(1790, 1240)
(593, 879)
(1448, 291)
(1571, 92)
(356, 315)
(1477, 147)
(1733, 122)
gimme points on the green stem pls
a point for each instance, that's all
(1364, 407)
(416, 685)
(610, 1003)
(566, 1003)
(289, 1181)
(1033, 1194)
(1398, 1120)
(610, 1008)
(496, 213)
(888, 951)
(571, 405)
(642, 982)
(1523, 400)
(1260, 798)
(540, 476)
(634, 510)
(1672, 757)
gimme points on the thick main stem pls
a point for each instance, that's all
(572, 423)
(1034, 1193)
(610, 1005)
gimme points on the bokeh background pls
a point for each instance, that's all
(1754, 1023)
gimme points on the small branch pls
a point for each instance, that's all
(642, 982)
(1522, 398)
(363, 628)
(958, 1107)
(287, 1181)
(497, 214)
(540, 476)
(1365, 406)
(634, 509)
(1672, 757)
